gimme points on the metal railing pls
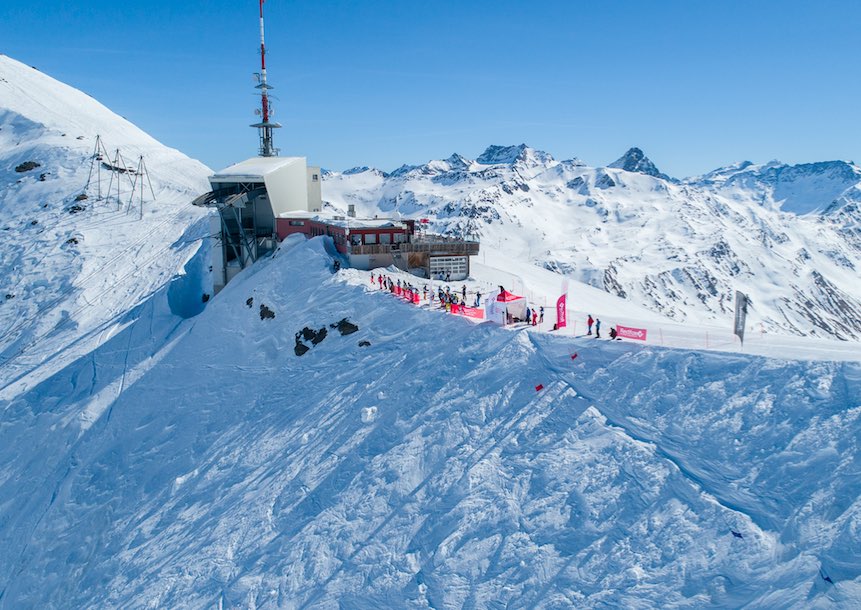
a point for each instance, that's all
(452, 246)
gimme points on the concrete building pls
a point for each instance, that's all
(249, 196)
(380, 242)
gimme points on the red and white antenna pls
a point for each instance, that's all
(265, 127)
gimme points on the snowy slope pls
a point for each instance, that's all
(73, 267)
(424, 469)
(788, 236)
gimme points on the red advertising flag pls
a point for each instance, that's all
(561, 315)
(631, 333)
(424, 221)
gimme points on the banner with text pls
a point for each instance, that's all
(561, 315)
(627, 332)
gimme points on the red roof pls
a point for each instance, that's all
(507, 297)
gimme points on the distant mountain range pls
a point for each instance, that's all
(786, 235)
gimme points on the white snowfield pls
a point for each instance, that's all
(157, 451)
(72, 275)
(423, 469)
(787, 236)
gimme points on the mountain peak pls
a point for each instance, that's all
(509, 155)
(635, 160)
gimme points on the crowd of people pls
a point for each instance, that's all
(445, 297)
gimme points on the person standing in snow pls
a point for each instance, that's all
(598, 328)
(528, 316)
(589, 323)
(463, 292)
(534, 318)
(478, 299)
(541, 315)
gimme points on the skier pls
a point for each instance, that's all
(372, 278)
(589, 323)
(528, 316)
(613, 334)
(478, 299)
(541, 315)
(534, 318)
(598, 328)
(463, 291)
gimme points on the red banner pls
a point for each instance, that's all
(626, 332)
(397, 290)
(468, 312)
(472, 312)
(561, 315)
(416, 298)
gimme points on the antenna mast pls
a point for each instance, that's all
(265, 127)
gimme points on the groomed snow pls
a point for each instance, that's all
(422, 470)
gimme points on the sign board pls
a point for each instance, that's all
(628, 332)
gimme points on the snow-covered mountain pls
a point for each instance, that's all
(416, 462)
(158, 450)
(74, 266)
(788, 236)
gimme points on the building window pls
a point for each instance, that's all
(356, 239)
(400, 238)
(370, 238)
(313, 177)
(297, 223)
(385, 238)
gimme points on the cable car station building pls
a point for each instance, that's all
(264, 199)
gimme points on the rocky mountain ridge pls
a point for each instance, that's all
(787, 235)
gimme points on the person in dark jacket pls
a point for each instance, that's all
(613, 334)
(541, 315)
(598, 328)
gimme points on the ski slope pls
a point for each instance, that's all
(423, 469)
(74, 262)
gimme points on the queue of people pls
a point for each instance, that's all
(445, 297)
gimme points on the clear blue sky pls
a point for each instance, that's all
(696, 85)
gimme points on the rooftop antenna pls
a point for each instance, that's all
(265, 127)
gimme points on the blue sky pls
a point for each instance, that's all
(696, 85)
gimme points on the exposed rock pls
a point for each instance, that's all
(345, 327)
(265, 312)
(249, 302)
(636, 161)
(26, 166)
